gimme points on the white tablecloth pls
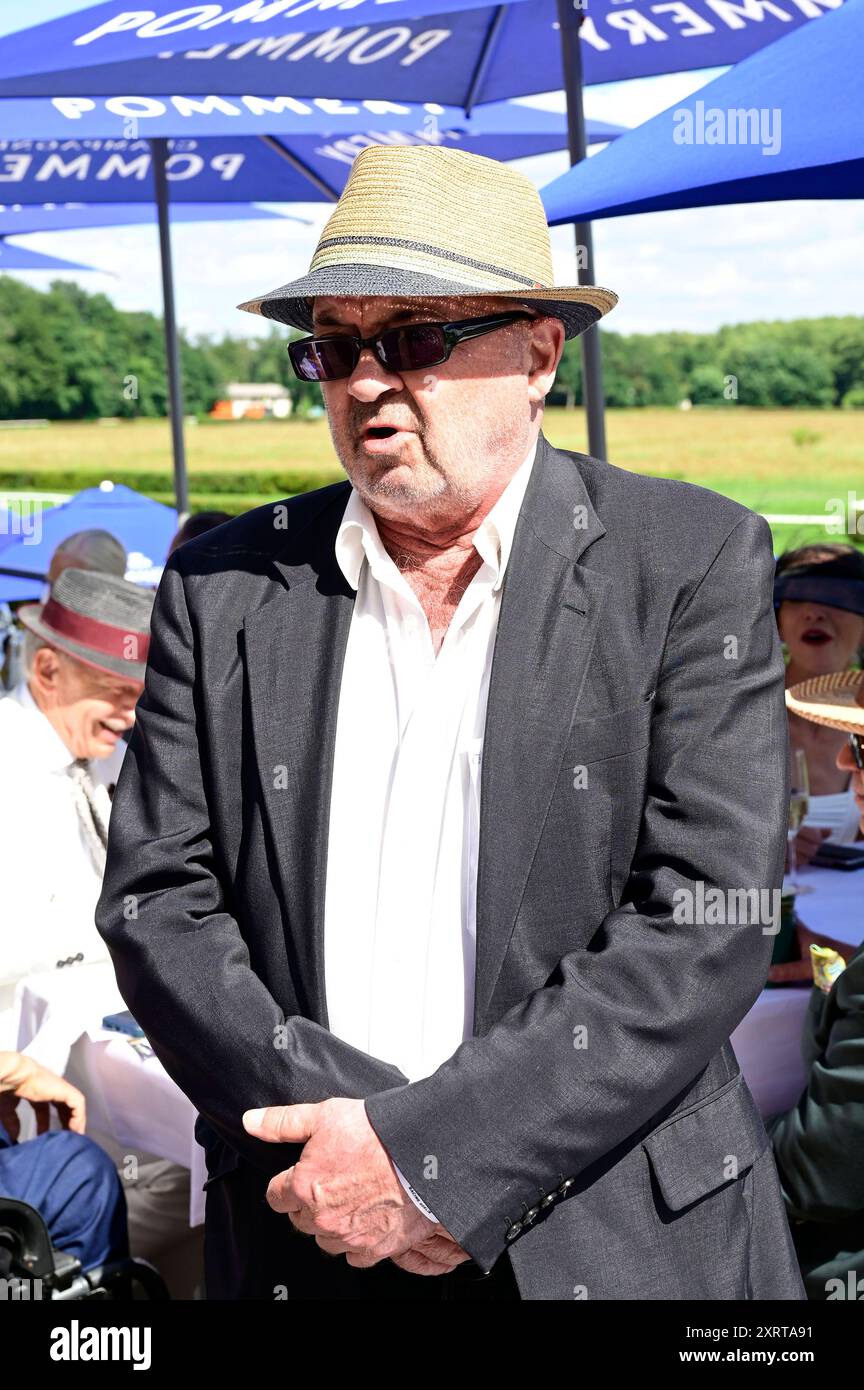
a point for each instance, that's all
(767, 1041)
(836, 905)
(133, 1106)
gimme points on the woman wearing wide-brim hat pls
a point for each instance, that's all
(836, 701)
(819, 604)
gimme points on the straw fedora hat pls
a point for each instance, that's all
(96, 617)
(420, 220)
(836, 699)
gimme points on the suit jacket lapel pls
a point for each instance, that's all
(295, 648)
(550, 607)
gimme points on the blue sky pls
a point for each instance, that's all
(690, 270)
(15, 17)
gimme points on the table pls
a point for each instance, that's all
(133, 1106)
(767, 1041)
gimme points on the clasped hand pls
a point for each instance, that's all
(345, 1192)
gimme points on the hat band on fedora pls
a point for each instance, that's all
(424, 253)
(90, 632)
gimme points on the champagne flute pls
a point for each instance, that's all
(799, 802)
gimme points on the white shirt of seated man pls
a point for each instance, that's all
(65, 712)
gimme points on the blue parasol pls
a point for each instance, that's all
(145, 528)
(14, 257)
(756, 134)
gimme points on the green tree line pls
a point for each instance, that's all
(66, 354)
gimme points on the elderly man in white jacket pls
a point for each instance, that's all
(61, 748)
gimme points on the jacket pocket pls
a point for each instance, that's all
(704, 1148)
(610, 735)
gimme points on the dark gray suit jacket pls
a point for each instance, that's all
(596, 1128)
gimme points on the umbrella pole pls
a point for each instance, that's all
(570, 16)
(159, 154)
(300, 167)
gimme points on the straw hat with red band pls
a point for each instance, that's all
(835, 699)
(96, 618)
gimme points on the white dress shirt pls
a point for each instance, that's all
(400, 905)
(49, 884)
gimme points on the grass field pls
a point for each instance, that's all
(772, 461)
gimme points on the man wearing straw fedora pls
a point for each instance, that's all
(425, 765)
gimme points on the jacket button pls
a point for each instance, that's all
(514, 1230)
(547, 1201)
(530, 1216)
(565, 1186)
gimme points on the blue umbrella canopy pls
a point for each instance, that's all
(280, 167)
(755, 134)
(306, 156)
(144, 527)
(60, 217)
(127, 116)
(62, 34)
(13, 590)
(14, 257)
(138, 117)
(454, 51)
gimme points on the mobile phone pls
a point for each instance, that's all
(123, 1023)
(831, 855)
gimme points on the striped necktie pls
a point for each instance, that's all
(92, 823)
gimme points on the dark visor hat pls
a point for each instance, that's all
(839, 583)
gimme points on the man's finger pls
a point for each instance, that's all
(441, 1251)
(414, 1263)
(363, 1259)
(814, 834)
(282, 1124)
(282, 1197)
(75, 1119)
(441, 1233)
(332, 1245)
(72, 1111)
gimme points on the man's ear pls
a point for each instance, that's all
(545, 347)
(45, 669)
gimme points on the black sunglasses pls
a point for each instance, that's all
(407, 349)
(857, 742)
